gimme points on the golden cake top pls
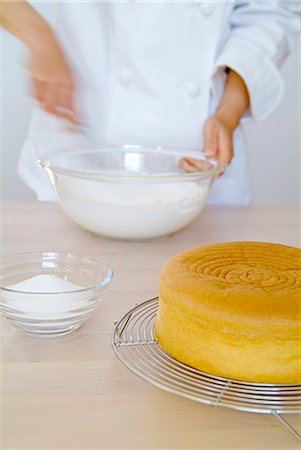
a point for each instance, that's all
(257, 279)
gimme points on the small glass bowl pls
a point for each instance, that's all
(46, 313)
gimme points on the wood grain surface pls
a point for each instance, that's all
(73, 393)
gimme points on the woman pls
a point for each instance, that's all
(178, 74)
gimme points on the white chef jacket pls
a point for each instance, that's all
(150, 73)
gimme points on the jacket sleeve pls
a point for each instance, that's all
(260, 37)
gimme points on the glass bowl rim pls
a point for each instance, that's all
(218, 167)
(106, 280)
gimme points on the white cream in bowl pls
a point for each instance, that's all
(130, 192)
(130, 211)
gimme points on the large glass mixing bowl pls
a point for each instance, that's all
(130, 192)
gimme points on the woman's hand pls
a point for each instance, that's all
(219, 129)
(218, 144)
(51, 77)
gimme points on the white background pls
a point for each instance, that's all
(273, 145)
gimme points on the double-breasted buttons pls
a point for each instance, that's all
(206, 8)
(192, 88)
(126, 77)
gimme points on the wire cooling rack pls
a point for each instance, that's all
(134, 343)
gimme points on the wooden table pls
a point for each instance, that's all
(73, 393)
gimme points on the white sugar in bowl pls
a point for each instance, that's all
(50, 293)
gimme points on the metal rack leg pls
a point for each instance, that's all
(284, 422)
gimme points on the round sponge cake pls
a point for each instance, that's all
(234, 310)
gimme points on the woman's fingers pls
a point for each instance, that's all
(55, 99)
(65, 103)
(194, 165)
(211, 137)
(217, 145)
(225, 146)
(218, 140)
(50, 98)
